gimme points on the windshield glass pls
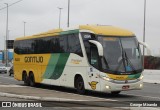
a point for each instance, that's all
(121, 54)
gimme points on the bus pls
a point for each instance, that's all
(90, 57)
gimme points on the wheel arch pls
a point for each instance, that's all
(83, 77)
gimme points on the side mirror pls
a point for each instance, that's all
(147, 47)
(99, 46)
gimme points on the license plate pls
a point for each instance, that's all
(125, 87)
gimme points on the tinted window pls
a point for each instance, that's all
(62, 44)
(94, 57)
(74, 44)
(86, 37)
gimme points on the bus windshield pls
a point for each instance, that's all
(121, 54)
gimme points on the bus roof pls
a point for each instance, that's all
(107, 30)
(97, 29)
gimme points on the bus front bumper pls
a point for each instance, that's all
(111, 87)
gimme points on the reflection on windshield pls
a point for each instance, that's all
(121, 54)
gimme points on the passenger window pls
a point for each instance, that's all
(74, 45)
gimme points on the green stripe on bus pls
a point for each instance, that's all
(51, 66)
(69, 32)
(60, 66)
(135, 76)
(56, 66)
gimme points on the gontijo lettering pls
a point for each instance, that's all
(33, 59)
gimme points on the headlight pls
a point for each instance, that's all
(141, 77)
(106, 78)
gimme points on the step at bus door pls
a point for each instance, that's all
(93, 72)
(94, 83)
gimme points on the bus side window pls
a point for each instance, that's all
(74, 45)
(94, 61)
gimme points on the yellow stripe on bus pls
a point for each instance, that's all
(118, 77)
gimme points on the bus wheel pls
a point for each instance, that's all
(115, 92)
(25, 79)
(31, 80)
(80, 85)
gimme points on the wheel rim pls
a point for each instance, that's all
(80, 85)
(25, 79)
(32, 80)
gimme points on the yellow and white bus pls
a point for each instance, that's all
(90, 57)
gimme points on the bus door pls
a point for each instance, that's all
(93, 73)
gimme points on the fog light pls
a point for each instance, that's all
(141, 85)
(107, 87)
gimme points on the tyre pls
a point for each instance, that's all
(32, 80)
(115, 92)
(25, 79)
(80, 85)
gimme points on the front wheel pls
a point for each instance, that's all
(115, 92)
(80, 85)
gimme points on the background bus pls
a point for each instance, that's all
(90, 57)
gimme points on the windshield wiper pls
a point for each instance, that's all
(106, 62)
(129, 61)
(122, 60)
(125, 60)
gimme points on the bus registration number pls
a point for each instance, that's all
(125, 87)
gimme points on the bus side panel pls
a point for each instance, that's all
(62, 68)
(76, 65)
(55, 68)
(18, 65)
(35, 63)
